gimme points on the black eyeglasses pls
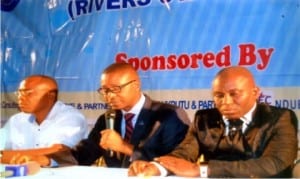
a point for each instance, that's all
(114, 89)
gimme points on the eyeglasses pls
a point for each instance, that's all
(114, 89)
(28, 92)
(24, 92)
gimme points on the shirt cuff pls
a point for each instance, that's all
(162, 170)
(53, 163)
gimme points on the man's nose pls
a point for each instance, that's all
(227, 99)
(109, 95)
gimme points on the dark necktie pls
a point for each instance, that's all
(235, 126)
(129, 127)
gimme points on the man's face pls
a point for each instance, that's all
(234, 96)
(32, 96)
(120, 92)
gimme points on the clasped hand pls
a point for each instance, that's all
(111, 140)
(37, 155)
(143, 169)
(174, 165)
(18, 158)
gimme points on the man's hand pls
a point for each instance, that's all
(111, 140)
(58, 148)
(179, 166)
(42, 160)
(40, 155)
(143, 168)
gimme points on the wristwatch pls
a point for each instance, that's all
(203, 166)
(203, 169)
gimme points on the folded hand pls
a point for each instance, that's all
(21, 159)
(143, 168)
(179, 166)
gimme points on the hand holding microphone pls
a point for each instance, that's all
(110, 117)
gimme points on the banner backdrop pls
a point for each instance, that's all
(177, 46)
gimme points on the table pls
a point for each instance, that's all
(83, 172)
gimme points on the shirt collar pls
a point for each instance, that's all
(54, 110)
(137, 107)
(50, 115)
(247, 118)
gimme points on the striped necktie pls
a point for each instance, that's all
(129, 127)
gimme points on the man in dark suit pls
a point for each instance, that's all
(263, 144)
(157, 128)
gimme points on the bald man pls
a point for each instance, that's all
(239, 138)
(44, 125)
(157, 127)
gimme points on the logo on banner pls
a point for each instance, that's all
(78, 8)
(266, 97)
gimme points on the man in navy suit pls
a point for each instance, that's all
(262, 144)
(157, 127)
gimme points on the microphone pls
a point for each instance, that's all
(110, 117)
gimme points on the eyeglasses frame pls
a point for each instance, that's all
(109, 90)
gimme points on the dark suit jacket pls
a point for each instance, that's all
(267, 149)
(159, 129)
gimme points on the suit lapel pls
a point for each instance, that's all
(118, 121)
(217, 129)
(144, 123)
(261, 122)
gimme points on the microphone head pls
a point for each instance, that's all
(110, 116)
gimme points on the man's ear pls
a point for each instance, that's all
(137, 85)
(52, 94)
(256, 92)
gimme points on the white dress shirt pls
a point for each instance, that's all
(63, 125)
(247, 118)
(136, 111)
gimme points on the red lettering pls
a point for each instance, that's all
(145, 63)
(208, 59)
(183, 61)
(159, 60)
(121, 57)
(195, 57)
(171, 62)
(134, 62)
(265, 55)
(247, 54)
(223, 57)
